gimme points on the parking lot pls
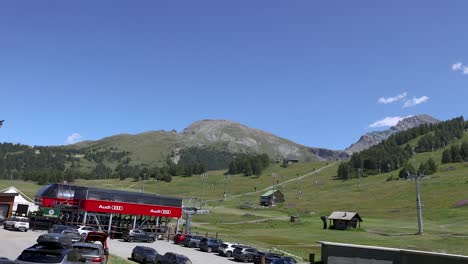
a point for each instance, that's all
(13, 243)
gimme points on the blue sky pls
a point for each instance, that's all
(320, 73)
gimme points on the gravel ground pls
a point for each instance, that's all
(12, 243)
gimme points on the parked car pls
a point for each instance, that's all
(279, 261)
(73, 234)
(210, 244)
(144, 255)
(192, 241)
(244, 254)
(54, 240)
(4, 260)
(138, 235)
(84, 230)
(226, 249)
(92, 252)
(100, 237)
(17, 223)
(179, 238)
(50, 255)
(51, 249)
(172, 258)
(58, 229)
(271, 257)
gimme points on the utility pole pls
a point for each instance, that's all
(143, 183)
(282, 184)
(419, 208)
(274, 187)
(299, 191)
(225, 186)
(418, 201)
(203, 177)
(359, 178)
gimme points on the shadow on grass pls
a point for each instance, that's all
(391, 234)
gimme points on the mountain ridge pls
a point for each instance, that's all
(211, 132)
(372, 138)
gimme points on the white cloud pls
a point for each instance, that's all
(415, 101)
(389, 100)
(387, 121)
(73, 138)
(465, 70)
(457, 66)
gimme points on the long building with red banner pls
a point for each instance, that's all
(89, 200)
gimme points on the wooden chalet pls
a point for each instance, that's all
(271, 197)
(344, 220)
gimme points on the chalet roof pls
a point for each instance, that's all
(8, 194)
(20, 198)
(270, 192)
(337, 215)
(13, 189)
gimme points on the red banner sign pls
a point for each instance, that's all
(130, 208)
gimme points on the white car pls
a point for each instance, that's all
(84, 230)
(226, 249)
(17, 223)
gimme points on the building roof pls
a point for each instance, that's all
(13, 189)
(388, 249)
(8, 194)
(270, 192)
(337, 215)
(20, 198)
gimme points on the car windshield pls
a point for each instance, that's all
(150, 251)
(59, 229)
(40, 257)
(18, 219)
(88, 251)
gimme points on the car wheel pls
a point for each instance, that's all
(229, 254)
(192, 245)
(26, 230)
(131, 239)
(151, 239)
(209, 249)
(245, 259)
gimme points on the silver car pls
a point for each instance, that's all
(39, 254)
(92, 252)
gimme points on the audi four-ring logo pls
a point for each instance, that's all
(117, 207)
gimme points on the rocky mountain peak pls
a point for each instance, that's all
(375, 137)
(414, 121)
(241, 138)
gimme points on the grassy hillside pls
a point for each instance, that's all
(387, 207)
(150, 147)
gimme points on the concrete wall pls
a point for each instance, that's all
(355, 254)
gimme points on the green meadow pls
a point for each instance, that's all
(388, 208)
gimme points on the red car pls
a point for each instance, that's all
(179, 238)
